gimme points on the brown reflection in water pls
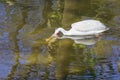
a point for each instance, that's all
(14, 67)
(63, 57)
(73, 60)
(104, 48)
(106, 59)
(73, 13)
(13, 24)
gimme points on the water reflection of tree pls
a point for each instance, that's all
(73, 13)
(25, 20)
(63, 57)
(106, 61)
(22, 34)
(14, 23)
(73, 60)
(14, 68)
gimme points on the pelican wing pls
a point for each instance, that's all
(88, 25)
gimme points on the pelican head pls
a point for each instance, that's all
(59, 31)
(56, 34)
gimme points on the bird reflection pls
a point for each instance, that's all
(86, 40)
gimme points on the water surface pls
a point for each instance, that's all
(25, 55)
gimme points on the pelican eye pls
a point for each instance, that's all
(59, 34)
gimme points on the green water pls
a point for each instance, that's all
(25, 55)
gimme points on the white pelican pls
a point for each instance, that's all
(85, 27)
